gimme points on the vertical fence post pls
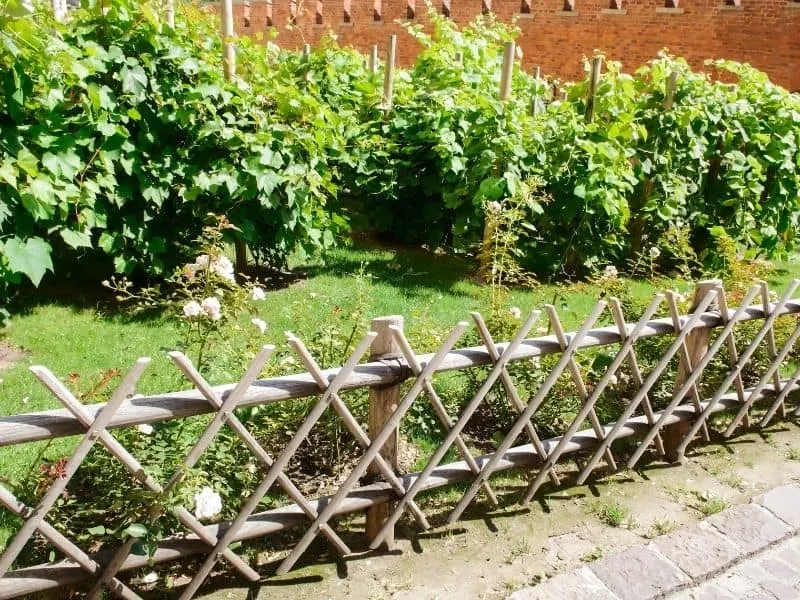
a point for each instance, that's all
(382, 403)
(669, 96)
(306, 51)
(594, 78)
(388, 77)
(506, 73)
(697, 344)
(373, 59)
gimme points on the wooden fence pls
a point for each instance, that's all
(397, 378)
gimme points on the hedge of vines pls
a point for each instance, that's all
(119, 135)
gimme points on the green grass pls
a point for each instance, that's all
(612, 513)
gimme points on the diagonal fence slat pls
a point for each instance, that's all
(605, 442)
(441, 412)
(278, 466)
(633, 362)
(65, 545)
(352, 425)
(649, 381)
(767, 327)
(771, 345)
(186, 518)
(730, 341)
(93, 432)
(511, 390)
(780, 399)
(526, 415)
(685, 359)
(466, 414)
(577, 378)
(374, 448)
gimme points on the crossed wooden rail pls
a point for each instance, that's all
(668, 431)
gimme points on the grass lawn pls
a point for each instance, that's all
(87, 345)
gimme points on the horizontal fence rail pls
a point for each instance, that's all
(694, 340)
(45, 425)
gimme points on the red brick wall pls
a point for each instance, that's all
(765, 33)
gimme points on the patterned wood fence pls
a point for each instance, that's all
(398, 378)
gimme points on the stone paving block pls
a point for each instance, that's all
(639, 573)
(699, 550)
(750, 527)
(783, 502)
(707, 591)
(574, 585)
(742, 587)
(789, 552)
(789, 572)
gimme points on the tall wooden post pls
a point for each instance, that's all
(697, 345)
(388, 76)
(594, 79)
(506, 73)
(229, 66)
(382, 403)
(169, 13)
(669, 96)
(229, 50)
(373, 59)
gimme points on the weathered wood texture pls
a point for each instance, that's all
(383, 401)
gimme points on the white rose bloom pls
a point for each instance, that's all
(613, 380)
(262, 326)
(610, 271)
(258, 293)
(212, 308)
(207, 504)
(192, 309)
(202, 261)
(144, 429)
(151, 577)
(515, 312)
(223, 267)
(251, 468)
(494, 207)
(654, 252)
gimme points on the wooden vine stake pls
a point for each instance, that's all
(490, 221)
(59, 10)
(537, 72)
(669, 96)
(697, 345)
(373, 59)
(306, 51)
(594, 79)
(169, 13)
(382, 404)
(388, 77)
(507, 72)
(229, 65)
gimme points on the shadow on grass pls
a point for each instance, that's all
(414, 270)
